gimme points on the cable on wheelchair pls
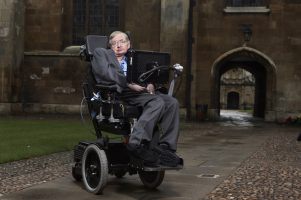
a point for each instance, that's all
(81, 114)
(162, 67)
(178, 86)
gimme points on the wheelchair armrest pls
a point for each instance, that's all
(106, 87)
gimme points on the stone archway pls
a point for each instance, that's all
(261, 66)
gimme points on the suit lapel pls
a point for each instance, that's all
(113, 56)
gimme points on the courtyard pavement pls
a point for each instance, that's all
(217, 166)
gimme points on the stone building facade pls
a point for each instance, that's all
(237, 90)
(272, 54)
(39, 73)
(11, 54)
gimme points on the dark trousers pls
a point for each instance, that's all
(157, 108)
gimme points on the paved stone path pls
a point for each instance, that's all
(273, 172)
(242, 158)
(22, 174)
(16, 176)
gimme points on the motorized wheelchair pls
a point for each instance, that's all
(94, 160)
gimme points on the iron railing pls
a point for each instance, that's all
(247, 3)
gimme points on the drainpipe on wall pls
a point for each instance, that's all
(189, 59)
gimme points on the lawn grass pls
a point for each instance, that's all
(247, 111)
(21, 139)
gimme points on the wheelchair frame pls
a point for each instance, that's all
(94, 160)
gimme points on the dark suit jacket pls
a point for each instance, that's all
(106, 67)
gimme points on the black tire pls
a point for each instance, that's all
(151, 179)
(75, 175)
(299, 137)
(94, 169)
(120, 174)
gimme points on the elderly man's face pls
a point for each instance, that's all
(119, 45)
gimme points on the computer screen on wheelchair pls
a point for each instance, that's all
(148, 67)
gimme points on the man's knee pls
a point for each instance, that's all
(160, 102)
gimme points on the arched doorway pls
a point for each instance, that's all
(233, 101)
(257, 63)
(240, 81)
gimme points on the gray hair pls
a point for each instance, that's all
(116, 33)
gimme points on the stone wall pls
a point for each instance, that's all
(276, 35)
(43, 25)
(174, 38)
(11, 55)
(53, 82)
(142, 19)
(160, 26)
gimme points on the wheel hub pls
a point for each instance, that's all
(92, 171)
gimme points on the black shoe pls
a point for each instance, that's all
(166, 155)
(141, 152)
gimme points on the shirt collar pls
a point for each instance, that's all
(124, 59)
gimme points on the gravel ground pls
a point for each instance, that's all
(273, 172)
(22, 174)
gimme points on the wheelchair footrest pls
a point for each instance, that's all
(139, 165)
(163, 168)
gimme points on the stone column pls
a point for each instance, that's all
(174, 39)
(11, 55)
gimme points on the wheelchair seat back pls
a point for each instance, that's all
(92, 42)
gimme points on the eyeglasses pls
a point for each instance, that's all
(121, 43)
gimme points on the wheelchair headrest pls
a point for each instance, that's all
(95, 41)
(129, 36)
(92, 42)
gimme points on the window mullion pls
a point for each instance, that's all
(103, 17)
(87, 16)
(121, 15)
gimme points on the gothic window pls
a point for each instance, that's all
(94, 17)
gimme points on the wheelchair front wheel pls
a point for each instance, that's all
(120, 174)
(151, 179)
(94, 169)
(75, 175)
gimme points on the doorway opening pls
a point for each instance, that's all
(237, 90)
(233, 101)
(260, 66)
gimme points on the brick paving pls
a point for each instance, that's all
(273, 172)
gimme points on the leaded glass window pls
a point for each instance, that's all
(103, 18)
(247, 3)
(79, 21)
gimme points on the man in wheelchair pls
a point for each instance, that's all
(110, 65)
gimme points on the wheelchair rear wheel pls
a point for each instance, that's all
(151, 179)
(94, 169)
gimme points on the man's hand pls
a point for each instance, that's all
(151, 88)
(137, 88)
